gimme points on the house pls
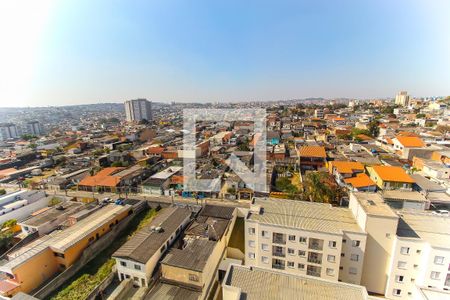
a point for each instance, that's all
(390, 177)
(361, 183)
(402, 145)
(105, 180)
(312, 157)
(345, 169)
(194, 266)
(159, 182)
(138, 257)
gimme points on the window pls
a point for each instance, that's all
(265, 234)
(265, 247)
(332, 244)
(404, 250)
(388, 235)
(58, 254)
(401, 265)
(163, 248)
(265, 259)
(331, 258)
(353, 271)
(251, 244)
(302, 240)
(301, 266)
(330, 271)
(137, 267)
(123, 264)
(251, 255)
(399, 278)
(396, 292)
(292, 238)
(291, 251)
(301, 253)
(354, 257)
(251, 231)
(356, 243)
(344, 241)
(342, 254)
(435, 275)
(439, 260)
(290, 264)
(193, 277)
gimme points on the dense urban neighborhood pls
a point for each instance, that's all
(94, 202)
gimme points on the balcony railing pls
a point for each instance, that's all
(313, 273)
(314, 260)
(316, 246)
(279, 254)
(277, 240)
(278, 266)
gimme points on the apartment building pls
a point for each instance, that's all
(420, 255)
(138, 110)
(304, 238)
(378, 220)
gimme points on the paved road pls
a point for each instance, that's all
(157, 198)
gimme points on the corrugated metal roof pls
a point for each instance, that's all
(259, 284)
(143, 245)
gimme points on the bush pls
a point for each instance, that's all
(2, 191)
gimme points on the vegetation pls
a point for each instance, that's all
(85, 284)
(28, 137)
(2, 191)
(420, 116)
(374, 128)
(284, 184)
(120, 164)
(54, 201)
(317, 188)
(7, 234)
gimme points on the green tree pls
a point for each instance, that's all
(2, 191)
(54, 201)
(374, 128)
(420, 116)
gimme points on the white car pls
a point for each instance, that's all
(441, 212)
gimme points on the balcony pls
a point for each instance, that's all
(315, 258)
(278, 251)
(313, 271)
(315, 244)
(278, 264)
(279, 238)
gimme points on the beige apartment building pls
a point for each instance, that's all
(406, 250)
(305, 238)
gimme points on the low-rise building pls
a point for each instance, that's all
(390, 177)
(30, 266)
(138, 257)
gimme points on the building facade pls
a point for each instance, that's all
(138, 110)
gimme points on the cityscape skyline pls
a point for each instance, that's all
(221, 52)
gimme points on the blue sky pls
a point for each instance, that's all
(68, 52)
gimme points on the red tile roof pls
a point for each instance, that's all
(312, 151)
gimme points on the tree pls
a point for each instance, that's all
(317, 188)
(374, 128)
(420, 116)
(2, 191)
(54, 201)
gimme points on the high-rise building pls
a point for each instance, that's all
(402, 98)
(138, 110)
(8, 131)
(33, 128)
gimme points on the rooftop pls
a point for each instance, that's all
(312, 151)
(67, 207)
(257, 283)
(398, 195)
(373, 204)
(394, 174)
(428, 227)
(145, 243)
(303, 215)
(410, 141)
(347, 166)
(193, 257)
(360, 180)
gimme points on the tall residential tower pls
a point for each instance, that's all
(138, 110)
